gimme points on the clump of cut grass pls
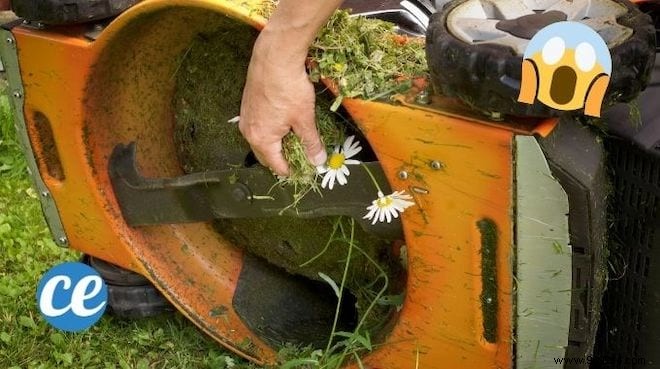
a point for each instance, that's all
(303, 175)
(366, 58)
(265, 8)
(210, 80)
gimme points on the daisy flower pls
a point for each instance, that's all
(336, 168)
(388, 207)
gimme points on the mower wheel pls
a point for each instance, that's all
(61, 12)
(130, 295)
(476, 57)
(134, 302)
(115, 275)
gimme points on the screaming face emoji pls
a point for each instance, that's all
(566, 66)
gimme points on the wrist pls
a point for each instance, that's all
(283, 44)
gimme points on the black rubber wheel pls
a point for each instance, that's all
(115, 275)
(130, 295)
(61, 12)
(487, 76)
(134, 302)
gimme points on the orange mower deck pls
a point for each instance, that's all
(83, 97)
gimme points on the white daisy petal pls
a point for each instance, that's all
(344, 169)
(371, 212)
(328, 180)
(348, 142)
(381, 215)
(341, 178)
(351, 152)
(333, 177)
(386, 208)
(352, 162)
(376, 216)
(322, 169)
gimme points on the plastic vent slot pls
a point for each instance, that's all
(630, 321)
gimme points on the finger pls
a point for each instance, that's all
(271, 157)
(309, 136)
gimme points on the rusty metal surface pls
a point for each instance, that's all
(460, 173)
(9, 58)
(119, 89)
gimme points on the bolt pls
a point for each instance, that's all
(17, 94)
(489, 300)
(496, 115)
(62, 241)
(423, 98)
(45, 194)
(239, 194)
(10, 40)
(403, 175)
(437, 165)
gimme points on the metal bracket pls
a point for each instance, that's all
(9, 56)
(37, 26)
(236, 193)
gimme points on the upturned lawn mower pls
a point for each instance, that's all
(520, 210)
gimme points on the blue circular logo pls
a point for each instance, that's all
(72, 296)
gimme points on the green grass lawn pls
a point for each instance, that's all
(27, 251)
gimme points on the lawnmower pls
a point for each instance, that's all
(520, 209)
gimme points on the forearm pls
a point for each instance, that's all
(292, 28)
(278, 96)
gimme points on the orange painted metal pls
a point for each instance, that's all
(441, 320)
(119, 88)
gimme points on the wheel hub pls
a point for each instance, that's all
(527, 25)
(513, 23)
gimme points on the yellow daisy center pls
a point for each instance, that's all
(336, 161)
(384, 202)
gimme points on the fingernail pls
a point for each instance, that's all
(320, 158)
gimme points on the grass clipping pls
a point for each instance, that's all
(364, 58)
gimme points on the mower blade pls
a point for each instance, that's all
(236, 193)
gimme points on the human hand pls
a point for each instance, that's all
(278, 97)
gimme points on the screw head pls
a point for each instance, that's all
(403, 175)
(10, 40)
(239, 194)
(62, 241)
(496, 115)
(423, 98)
(436, 164)
(17, 94)
(45, 194)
